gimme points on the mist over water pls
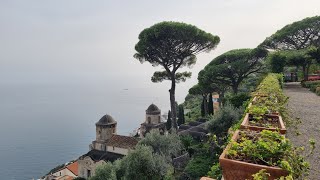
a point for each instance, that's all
(65, 64)
(44, 125)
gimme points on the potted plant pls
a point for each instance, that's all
(259, 119)
(250, 151)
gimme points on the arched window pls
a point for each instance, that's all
(149, 120)
(159, 119)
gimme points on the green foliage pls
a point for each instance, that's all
(119, 167)
(215, 171)
(210, 105)
(299, 58)
(192, 103)
(143, 164)
(268, 148)
(187, 142)
(173, 45)
(261, 175)
(168, 42)
(318, 91)
(166, 145)
(314, 53)
(313, 86)
(203, 90)
(258, 111)
(298, 35)
(308, 84)
(237, 100)
(232, 67)
(200, 89)
(277, 61)
(203, 108)
(105, 171)
(160, 76)
(301, 39)
(269, 94)
(223, 120)
(181, 118)
(198, 166)
(169, 121)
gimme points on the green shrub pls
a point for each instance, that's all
(318, 90)
(215, 171)
(237, 100)
(198, 166)
(308, 84)
(313, 87)
(224, 119)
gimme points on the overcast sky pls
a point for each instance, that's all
(62, 41)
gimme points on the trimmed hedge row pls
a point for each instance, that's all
(313, 86)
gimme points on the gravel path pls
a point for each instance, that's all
(305, 105)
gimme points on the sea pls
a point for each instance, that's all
(47, 124)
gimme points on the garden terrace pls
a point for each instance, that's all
(254, 149)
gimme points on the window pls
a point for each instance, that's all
(159, 119)
(149, 120)
(88, 173)
(113, 147)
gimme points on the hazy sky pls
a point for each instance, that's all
(77, 41)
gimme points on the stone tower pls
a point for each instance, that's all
(152, 121)
(105, 128)
(153, 115)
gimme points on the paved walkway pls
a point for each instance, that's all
(305, 105)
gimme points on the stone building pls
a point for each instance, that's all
(152, 121)
(67, 172)
(108, 146)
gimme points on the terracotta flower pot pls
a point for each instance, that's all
(246, 125)
(239, 170)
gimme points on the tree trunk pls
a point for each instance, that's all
(210, 105)
(173, 102)
(305, 75)
(205, 104)
(307, 69)
(203, 112)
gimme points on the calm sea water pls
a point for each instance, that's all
(44, 125)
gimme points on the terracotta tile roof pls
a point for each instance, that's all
(73, 168)
(125, 142)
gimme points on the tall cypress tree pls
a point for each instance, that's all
(169, 121)
(181, 119)
(210, 105)
(203, 111)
